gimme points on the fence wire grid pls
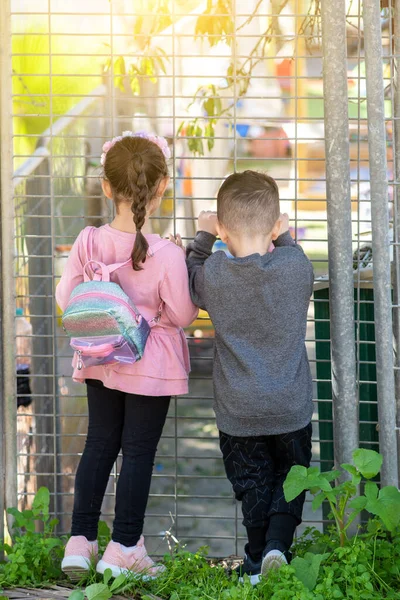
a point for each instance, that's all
(78, 76)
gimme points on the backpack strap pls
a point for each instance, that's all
(156, 247)
(150, 253)
(106, 270)
(87, 242)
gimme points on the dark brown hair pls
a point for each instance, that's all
(248, 201)
(135, 167)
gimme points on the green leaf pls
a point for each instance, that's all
(119, 73)
(19, 519)
(384, 503)
(138, 25)
(355, 475)
(98, 591)
(368, 462)
(307, 568)
(358, 504)
(300, 479)
(104, 531)
(42, 500)
(209, 133)
(107, 576)
(209, 107)
(389, 507)
(371, 491)
(135, 86)
(76, 595)
(118, 582)
(161, 64)
(181, 126)
(318, 500)
(296, 482)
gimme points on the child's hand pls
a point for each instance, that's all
(284, 220)
(177, 240)
(208, 222)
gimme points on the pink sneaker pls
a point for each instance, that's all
(137, 562)
(78, 556)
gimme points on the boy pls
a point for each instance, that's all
(258, 303)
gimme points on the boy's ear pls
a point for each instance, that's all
(276, 229)
(106, 188)
(222, 233)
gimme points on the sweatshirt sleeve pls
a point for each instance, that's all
(174, 292)
(286, 240)
(196, 255)
(72, 274)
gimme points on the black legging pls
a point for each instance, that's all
(117, 420)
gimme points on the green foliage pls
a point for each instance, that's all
(344, 503)
(34, 556)
(326, 566)
(216, 22)
(307, 568)
(36, 95)
(103, 536)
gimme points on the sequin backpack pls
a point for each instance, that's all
(102, 322)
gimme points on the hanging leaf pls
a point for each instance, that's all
(119, 73)
(180, 128)
(137, 29)
(107, 65)
(209, 133)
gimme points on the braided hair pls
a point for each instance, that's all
(135, 167)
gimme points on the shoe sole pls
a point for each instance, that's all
(272, 561)
(102, 566)
(75, 567)
(254, 579)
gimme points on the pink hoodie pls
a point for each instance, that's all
(164, 368)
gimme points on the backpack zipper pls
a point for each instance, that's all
(119, 300)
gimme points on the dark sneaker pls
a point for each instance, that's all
(250, 567)
(274, 557)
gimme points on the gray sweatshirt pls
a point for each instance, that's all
(258, 305)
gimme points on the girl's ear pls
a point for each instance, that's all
(164, 183)
(107, 188)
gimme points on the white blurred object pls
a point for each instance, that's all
(23, 339)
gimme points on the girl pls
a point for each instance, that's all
(128, 404)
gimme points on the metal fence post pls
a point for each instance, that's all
(396, 217)
(380, 240)
(9, 401)
(344, 388)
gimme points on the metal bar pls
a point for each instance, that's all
(344, 389)
(7, 269)
(380, 241)
(4, 176)
(396, 216)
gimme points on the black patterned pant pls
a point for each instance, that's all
(257, 468)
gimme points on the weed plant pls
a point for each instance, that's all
(327, 566)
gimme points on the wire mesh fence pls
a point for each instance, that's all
(228, 98)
